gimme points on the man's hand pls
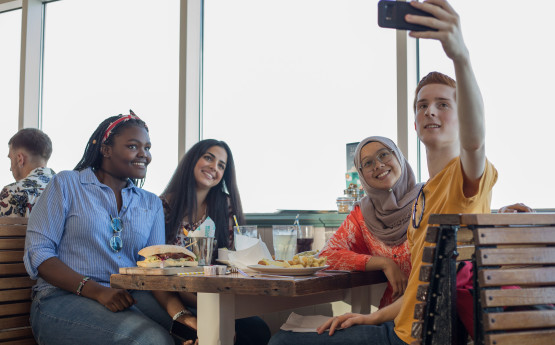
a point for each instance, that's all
(515, 208)
(446, 21)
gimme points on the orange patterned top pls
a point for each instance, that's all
(353, 245)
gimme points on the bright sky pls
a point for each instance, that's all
(287, 83)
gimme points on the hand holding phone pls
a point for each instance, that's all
(183, 332)
(391, 14)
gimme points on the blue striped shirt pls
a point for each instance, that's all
(71, 221)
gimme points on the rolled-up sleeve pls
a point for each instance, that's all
(45, 227)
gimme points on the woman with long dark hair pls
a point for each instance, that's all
(88, 223)
(204, 185)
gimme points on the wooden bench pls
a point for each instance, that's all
(15, 284)
(514, 279)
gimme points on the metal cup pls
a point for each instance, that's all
(203, 248)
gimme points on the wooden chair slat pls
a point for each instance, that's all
(15, 308)
(520, 338)
(425, 273)
(431, 234)
(13, 221)
(422, 292)
(12, 230)
(11, 256)
(416, 331)
(518, 297)
(523, 276)
(428, 255)
(530, 319)
(419, 311)
(16, 334)
(515, 256)
(14, 322)
(27, 341)
(505, 219)
(465, 252)
(15, 295)
(16, 283)
(12, 269)
(516, 235)
(12, 243)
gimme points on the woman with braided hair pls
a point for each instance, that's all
(89, 222)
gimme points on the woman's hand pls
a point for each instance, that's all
(191, 321)
(396, 278)
(114, 299)
(515, 208)
(344, 321)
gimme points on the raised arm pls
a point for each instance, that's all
(470, 106)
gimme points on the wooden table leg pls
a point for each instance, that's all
(216, 318)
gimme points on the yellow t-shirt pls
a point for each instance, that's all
(444, 195)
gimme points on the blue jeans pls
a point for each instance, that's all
(356, 335)
(60, 317)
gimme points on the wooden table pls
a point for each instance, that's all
(222, 299)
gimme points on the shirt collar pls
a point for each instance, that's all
(40, 171)
(87, 176)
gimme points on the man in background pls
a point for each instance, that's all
(30, 149)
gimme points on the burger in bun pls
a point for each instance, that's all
(165, 255)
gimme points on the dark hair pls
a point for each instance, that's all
(181, 194)
(92, 157)
(35, 141)
(433, 78)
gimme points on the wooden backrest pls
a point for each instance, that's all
(15, 284)
(435, 309)
(514, 279)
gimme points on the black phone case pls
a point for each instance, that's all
(183, 332)
(391, 14)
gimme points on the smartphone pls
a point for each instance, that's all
(183, 332)
(391, 14)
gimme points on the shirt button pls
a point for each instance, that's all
(394, 255)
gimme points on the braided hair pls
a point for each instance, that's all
(92, 157)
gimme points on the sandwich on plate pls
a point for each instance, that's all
(165, 255)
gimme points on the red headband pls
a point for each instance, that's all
(117, 122)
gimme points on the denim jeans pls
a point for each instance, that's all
(60, 317)
(356, 335)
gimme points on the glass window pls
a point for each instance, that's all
(10, 46)
(287, 84)
(513, 61)
(104, 58)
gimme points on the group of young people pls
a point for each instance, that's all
(94, 219)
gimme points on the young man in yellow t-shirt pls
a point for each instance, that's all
(449, 120)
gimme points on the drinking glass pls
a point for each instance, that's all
(245, 230)
(305, 238)
(285, 241)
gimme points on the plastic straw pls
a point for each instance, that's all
(236, 224)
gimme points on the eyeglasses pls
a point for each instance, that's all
(415, 223)
(383, 156)
(117, 226)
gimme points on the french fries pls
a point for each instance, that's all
(299, 261)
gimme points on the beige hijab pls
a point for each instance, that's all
(387, 213)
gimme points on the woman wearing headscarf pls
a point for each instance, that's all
(374, 235)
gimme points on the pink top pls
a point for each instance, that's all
(353, 245)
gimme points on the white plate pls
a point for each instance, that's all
(286, 270)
